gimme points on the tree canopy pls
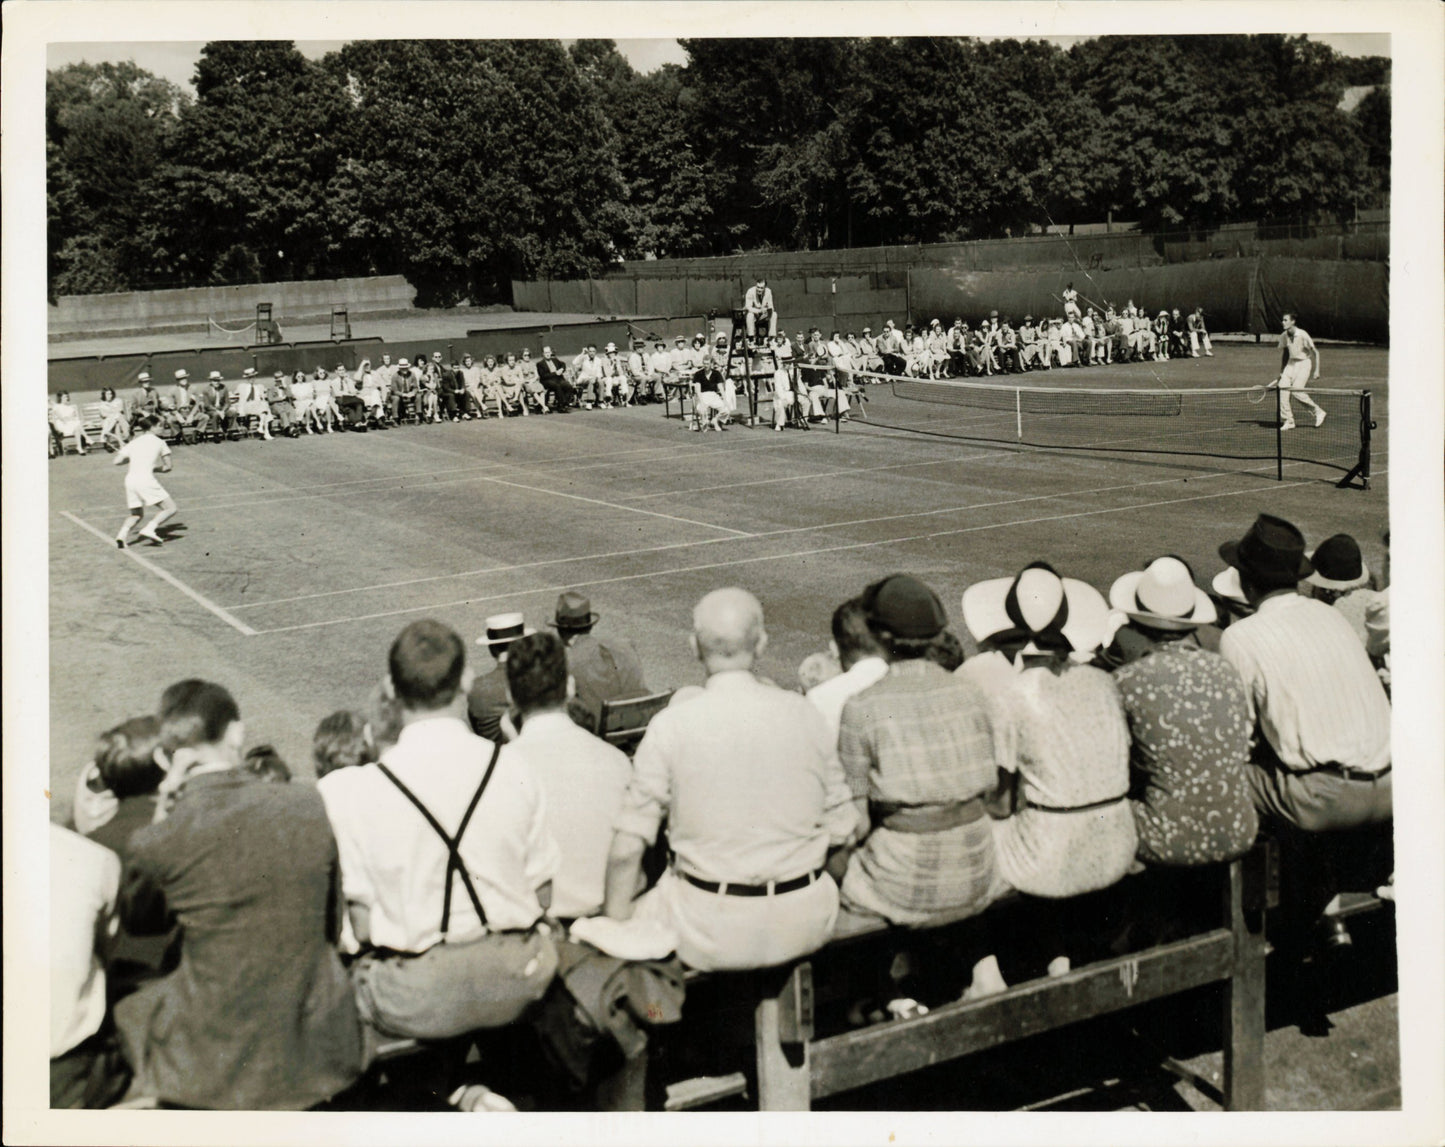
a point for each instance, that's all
(463, 164)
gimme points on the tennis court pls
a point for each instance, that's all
(293, 563)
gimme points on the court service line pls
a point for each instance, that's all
(612, 505)
(760, 534)
(169, 578)
(765, 558)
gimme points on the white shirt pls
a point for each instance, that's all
(393, 863)
(752, 302)
(1311, 684)
(584, 779)
(84, 881)
(142, 453)
(831, 695)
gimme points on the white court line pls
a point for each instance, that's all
(168, 577)
(760, 534)
(613, 505)
(768, 558)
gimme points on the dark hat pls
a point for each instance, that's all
(1338, 564)
(905, 607)
(1272, 552)
(574, 611)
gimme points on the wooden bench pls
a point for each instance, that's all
(794, 1065)
(622, 723)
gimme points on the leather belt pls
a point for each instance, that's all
(1350, 774)
(928, 818)
(1024, 802)
(771, 888)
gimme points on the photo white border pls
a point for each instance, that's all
(1418, 542)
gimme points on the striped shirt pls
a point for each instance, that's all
(1310, 684)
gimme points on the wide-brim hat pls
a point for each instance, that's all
(1163, 596)
(503, 628)
(1338, 564)
(1272, 552)
(574, 611)
(1039, 605)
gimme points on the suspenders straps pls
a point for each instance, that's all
(453, 843)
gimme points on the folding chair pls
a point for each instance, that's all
(622, 723)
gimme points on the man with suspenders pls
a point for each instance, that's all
(446, 859)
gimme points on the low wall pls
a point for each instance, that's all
(134, 310)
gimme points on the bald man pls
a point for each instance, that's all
(747, 777)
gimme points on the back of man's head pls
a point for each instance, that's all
(727, 629)
(125, 757)
(851, 634)
(537, 672)
(194, 713)
(426, 663)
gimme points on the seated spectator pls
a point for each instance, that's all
(709, 407)
(946, 651)
(264, 762)
(861, 660)
(1198, 335)
(816, 668)
(917, 748)
(758, 308)
(144, 400)
(1342, 579)
(783, 399)
(283, 406)
(303, 394)
(446, 860)
(86, 1066)
(405, 398)
(350, 409)
(251, 402)
(1321, 759)
(259, 1013)
(116, 793)
(602, 669)
(490, 384)
(487, 701)
(587, 368)
(583, 777)
(1189, 724)
(534, 394)
(114, 425)
(892, 350)
(1322, 754)
(1063, 742)
(747, 777)
(341, 741)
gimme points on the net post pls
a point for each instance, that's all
(1361, 468)
(1278, 433)
(837, 406)
(1019, 411)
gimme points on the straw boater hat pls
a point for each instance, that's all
(144, 376)
(504, 628)
(249, 372)
(1338, 564)
(1048, 611)
(573, 611)
(181, 374)
(215, 376)
(1163, 596)
(611, 348)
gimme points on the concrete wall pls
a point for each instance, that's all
(135, 310)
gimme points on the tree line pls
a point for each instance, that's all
(463, 164)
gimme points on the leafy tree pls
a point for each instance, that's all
(473, 162)
(1372, 122)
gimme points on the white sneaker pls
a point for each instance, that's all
(1287, 426)
(1319, 417)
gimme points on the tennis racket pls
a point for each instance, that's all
(1256, 394)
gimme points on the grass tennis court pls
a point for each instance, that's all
(294, 563)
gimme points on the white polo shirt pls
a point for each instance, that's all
(394, 864)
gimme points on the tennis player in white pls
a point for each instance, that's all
(1296, 347)
(145, 454)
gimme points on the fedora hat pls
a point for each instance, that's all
(215, 376)
(503, 628)
(1048, 611)
(574, 611)
(1272, 553)
(144, 376)
(1338, 564)
(1163, 595)
(905, 607)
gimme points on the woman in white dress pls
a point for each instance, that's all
(64, 418)
(114, 426)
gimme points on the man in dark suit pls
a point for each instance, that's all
(259, 1013)
(602, 670)
(487, 700)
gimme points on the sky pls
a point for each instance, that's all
(176, 60)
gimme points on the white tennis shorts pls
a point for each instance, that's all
(142, 492)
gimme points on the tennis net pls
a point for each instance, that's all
(1234, 422)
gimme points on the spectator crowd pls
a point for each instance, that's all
(476, 863)
(807, 375)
